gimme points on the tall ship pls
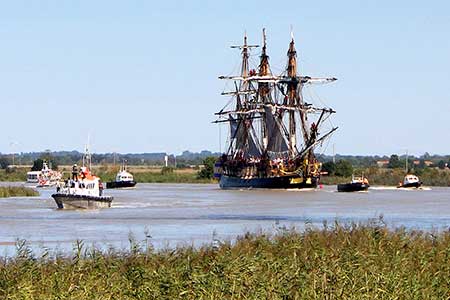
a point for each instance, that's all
(273, 131)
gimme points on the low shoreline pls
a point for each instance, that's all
(17, 191)
(433, 178)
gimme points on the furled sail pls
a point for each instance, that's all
(276, 141)
(243, 139)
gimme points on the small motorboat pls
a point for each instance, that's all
(410, 181)
(356, 185)
(123, 179)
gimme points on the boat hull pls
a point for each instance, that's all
(120, 184)
(352, 187)
(410, 185)
(282, 182)
(65, 201)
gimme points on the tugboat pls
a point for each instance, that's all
(410, 181)
(273, 131)
(123, 179)
(83, 191)
(356, 185)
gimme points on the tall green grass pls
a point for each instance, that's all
(17, 191)
(338, 262)
(19, 174)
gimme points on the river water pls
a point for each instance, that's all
(170, 215)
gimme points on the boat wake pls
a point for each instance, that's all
(394, 188)
(302, 190)
(384, 188)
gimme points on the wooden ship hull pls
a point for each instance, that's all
(120, 184)
(67, 201)
(282, 182)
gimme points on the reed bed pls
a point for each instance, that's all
(337, 262)
(14, 176)
(17, 191)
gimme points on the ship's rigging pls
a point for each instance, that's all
(270, 121)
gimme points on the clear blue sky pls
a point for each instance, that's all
(141, 76)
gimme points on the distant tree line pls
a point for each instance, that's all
(187, 158)
(57, 158)
(346, 165)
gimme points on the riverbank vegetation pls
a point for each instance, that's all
(202, 174)
(14, 175)
(391, 173)
(17, 191)
(337, 262)
(141, 174)
(392, 177)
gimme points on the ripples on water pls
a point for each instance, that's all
(180, 214)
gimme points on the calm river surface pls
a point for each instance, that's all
(185, 214)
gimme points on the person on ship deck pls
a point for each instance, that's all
(75, 172)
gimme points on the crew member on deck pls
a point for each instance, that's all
(75, 172)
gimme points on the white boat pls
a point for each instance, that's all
(410, 181)
(45, 177)
(124, 179)
(84, 191)
(48, 177)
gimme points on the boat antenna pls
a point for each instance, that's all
(87, 155)
(406, 162)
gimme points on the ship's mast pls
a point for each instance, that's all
(263, 88)
(245, 56)
(294, 99)
(242, 131)
(87, 159)
(256, 95)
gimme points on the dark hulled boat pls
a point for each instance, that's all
(81, 201)
(124, 179)
(280, 182)
(273, 131)
(120, 184)
(357, 184)
(410, 181)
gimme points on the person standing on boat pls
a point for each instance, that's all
(100, 187)
(75, 172)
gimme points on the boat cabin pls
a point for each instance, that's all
(362, 179)
(33, 176)
(410, 179)
(124, 176)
